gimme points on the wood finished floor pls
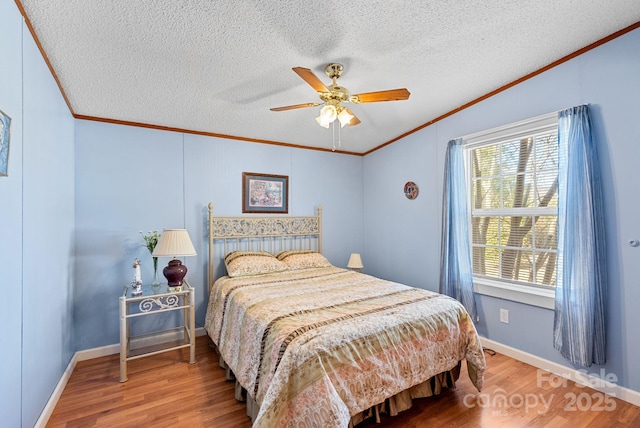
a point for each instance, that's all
(166, 391)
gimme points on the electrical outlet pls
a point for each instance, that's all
(504, 316)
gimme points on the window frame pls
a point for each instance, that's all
(500, 288)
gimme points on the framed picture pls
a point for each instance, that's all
(5, 133)
(265, 193)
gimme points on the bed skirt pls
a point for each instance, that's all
(392, 406)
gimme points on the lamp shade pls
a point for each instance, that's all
(355, 261)
(174, 243)
(344, 117)
(327, 115)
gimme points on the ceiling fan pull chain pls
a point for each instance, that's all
(333, 134)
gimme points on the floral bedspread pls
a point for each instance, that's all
(315, 346)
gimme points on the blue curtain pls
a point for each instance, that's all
(579, 323)
(456, 276)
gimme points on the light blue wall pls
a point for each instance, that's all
(402, 236)
(11, 215)
(134, 179)
(48, 233)
(607, 78)
(78, 192)
(36, 225)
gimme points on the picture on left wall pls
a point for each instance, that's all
(5, 133)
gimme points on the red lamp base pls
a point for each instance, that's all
(175, 272)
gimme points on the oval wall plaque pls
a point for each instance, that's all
(411, 190)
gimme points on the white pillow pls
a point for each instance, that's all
(302, 259)
(243, 263)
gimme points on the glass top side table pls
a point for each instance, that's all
(156, 299)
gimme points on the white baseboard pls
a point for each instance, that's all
(103, 351)
(57, 392)
(87, 354)
(587, 379)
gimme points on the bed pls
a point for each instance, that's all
(312, 344)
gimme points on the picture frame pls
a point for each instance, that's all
(265, 193)
(5, 134)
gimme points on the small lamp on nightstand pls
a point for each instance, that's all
(355, 262)
(174, 243)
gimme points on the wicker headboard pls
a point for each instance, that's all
(273, 234)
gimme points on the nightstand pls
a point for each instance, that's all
(156, 299)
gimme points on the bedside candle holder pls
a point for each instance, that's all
(136, 284)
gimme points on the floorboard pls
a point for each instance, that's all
(164, 390)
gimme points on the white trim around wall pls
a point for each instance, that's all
(88, 354)
(602, 382)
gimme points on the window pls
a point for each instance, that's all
(512, 190)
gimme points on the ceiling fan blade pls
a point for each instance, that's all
(354, 120)
(295, 106)
(373, 97)
(313, 80)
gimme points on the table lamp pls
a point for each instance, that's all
(355, 262)
(174, 243)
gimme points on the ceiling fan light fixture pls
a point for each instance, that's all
(332, 97)
(327, 115)
(344, 117)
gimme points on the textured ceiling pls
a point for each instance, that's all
(218, 66)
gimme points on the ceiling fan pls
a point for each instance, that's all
(333, 96)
